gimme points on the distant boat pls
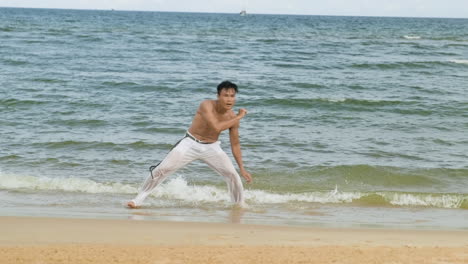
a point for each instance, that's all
(243, 12)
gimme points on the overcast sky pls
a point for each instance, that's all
(411, 8)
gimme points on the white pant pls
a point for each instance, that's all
(186, 151)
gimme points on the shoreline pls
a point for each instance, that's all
(52, 240)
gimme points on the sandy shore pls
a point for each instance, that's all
(50, 240)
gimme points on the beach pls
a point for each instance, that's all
(355, 137)
(63, 240)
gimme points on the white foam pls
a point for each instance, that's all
(258, 196)
(64, 184)
(412, 37)
(459, 61)
(426, 200)
(336, 100)
(332, 100)
(177, 188)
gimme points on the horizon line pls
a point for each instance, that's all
(231, 13)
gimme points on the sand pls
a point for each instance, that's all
(51, 240)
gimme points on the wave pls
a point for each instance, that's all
(100, 145)
(456, 38)
(13, 62)
(18, 102)
(307, 85)
(160, 130)
(268, 41)
(58, 32)
(455, 45)
(412, 37)
(89, 38)
(7, 29)
(318, 102)
(407, 107)
(178, 51)
(459, 61)
(443, 38)
(10, 157)
(79, 122)
(431, 52)
(33, 183)
(119, 84)
(296, 66)
(400, 65)
(137, 87)
(179, 189)
(48, 80)
(364, 178)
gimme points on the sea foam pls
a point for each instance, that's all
(459, 61)
(71, 184)
(179, 189)
(411, 37)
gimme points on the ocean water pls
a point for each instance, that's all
(353, 121)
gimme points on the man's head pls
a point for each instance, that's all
(226, 85)
(227, 94)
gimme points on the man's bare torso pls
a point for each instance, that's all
(201, 128)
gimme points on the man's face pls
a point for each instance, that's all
(227, 98)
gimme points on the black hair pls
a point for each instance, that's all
(226, 85)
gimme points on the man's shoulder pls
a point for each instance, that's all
(207, 104)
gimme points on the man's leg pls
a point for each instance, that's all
(222, 164)
(178, 157)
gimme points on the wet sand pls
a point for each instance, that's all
(53, 240)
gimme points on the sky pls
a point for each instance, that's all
(404, 8)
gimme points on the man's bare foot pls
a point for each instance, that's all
(132, 205)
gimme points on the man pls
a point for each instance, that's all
(201, 142)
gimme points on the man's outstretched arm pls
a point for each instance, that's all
(236, 151)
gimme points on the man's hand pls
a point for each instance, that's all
(242, 112)
(246, 176)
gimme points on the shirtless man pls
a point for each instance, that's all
(201, 142)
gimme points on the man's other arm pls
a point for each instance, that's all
(237, 152)
(206, 111)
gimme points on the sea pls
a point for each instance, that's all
(353, 122)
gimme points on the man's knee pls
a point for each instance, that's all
(234, 180)
(160, 171)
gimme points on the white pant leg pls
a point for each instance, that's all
(178, 157)
(219, 161)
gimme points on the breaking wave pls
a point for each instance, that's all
(411, 37)
(179, 189)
